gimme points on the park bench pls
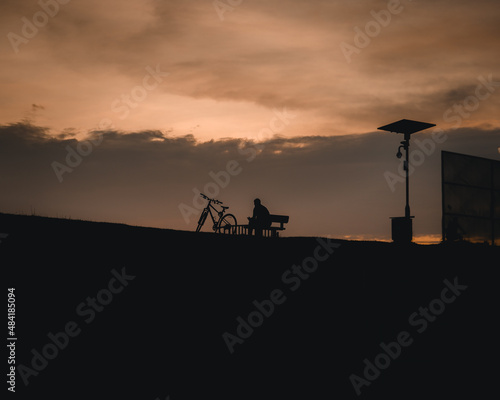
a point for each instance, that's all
(272, 231)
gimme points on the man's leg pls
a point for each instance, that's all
(250, 226)
(258, 229)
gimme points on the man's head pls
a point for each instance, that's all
(256, 202)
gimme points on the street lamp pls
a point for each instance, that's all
(402, 226)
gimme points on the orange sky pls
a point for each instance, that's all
(225, 75)
(334, 67)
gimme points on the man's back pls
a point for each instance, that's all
(261, 214)
(260, 211)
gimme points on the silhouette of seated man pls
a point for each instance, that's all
(261, 219)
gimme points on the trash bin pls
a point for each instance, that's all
(402, 230)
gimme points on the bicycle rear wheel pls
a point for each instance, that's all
(226, 224)
(202, 219)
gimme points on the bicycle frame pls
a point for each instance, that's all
(220, 214)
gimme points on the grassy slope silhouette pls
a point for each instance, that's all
(162, 334)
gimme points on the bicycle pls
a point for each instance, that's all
(223, 224)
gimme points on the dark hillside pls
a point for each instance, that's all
(152, 312)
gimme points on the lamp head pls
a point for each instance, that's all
(399, 154)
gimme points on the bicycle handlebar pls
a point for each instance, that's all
(209, 199)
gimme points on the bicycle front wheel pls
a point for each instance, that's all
(226, 224)
(202, 219)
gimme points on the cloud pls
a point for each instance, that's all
(328, 185)
(263, 55)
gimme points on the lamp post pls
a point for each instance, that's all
(406, 145)
(402, 226)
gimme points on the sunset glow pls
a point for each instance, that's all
(308, 80)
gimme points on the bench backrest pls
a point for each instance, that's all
(282, 219)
